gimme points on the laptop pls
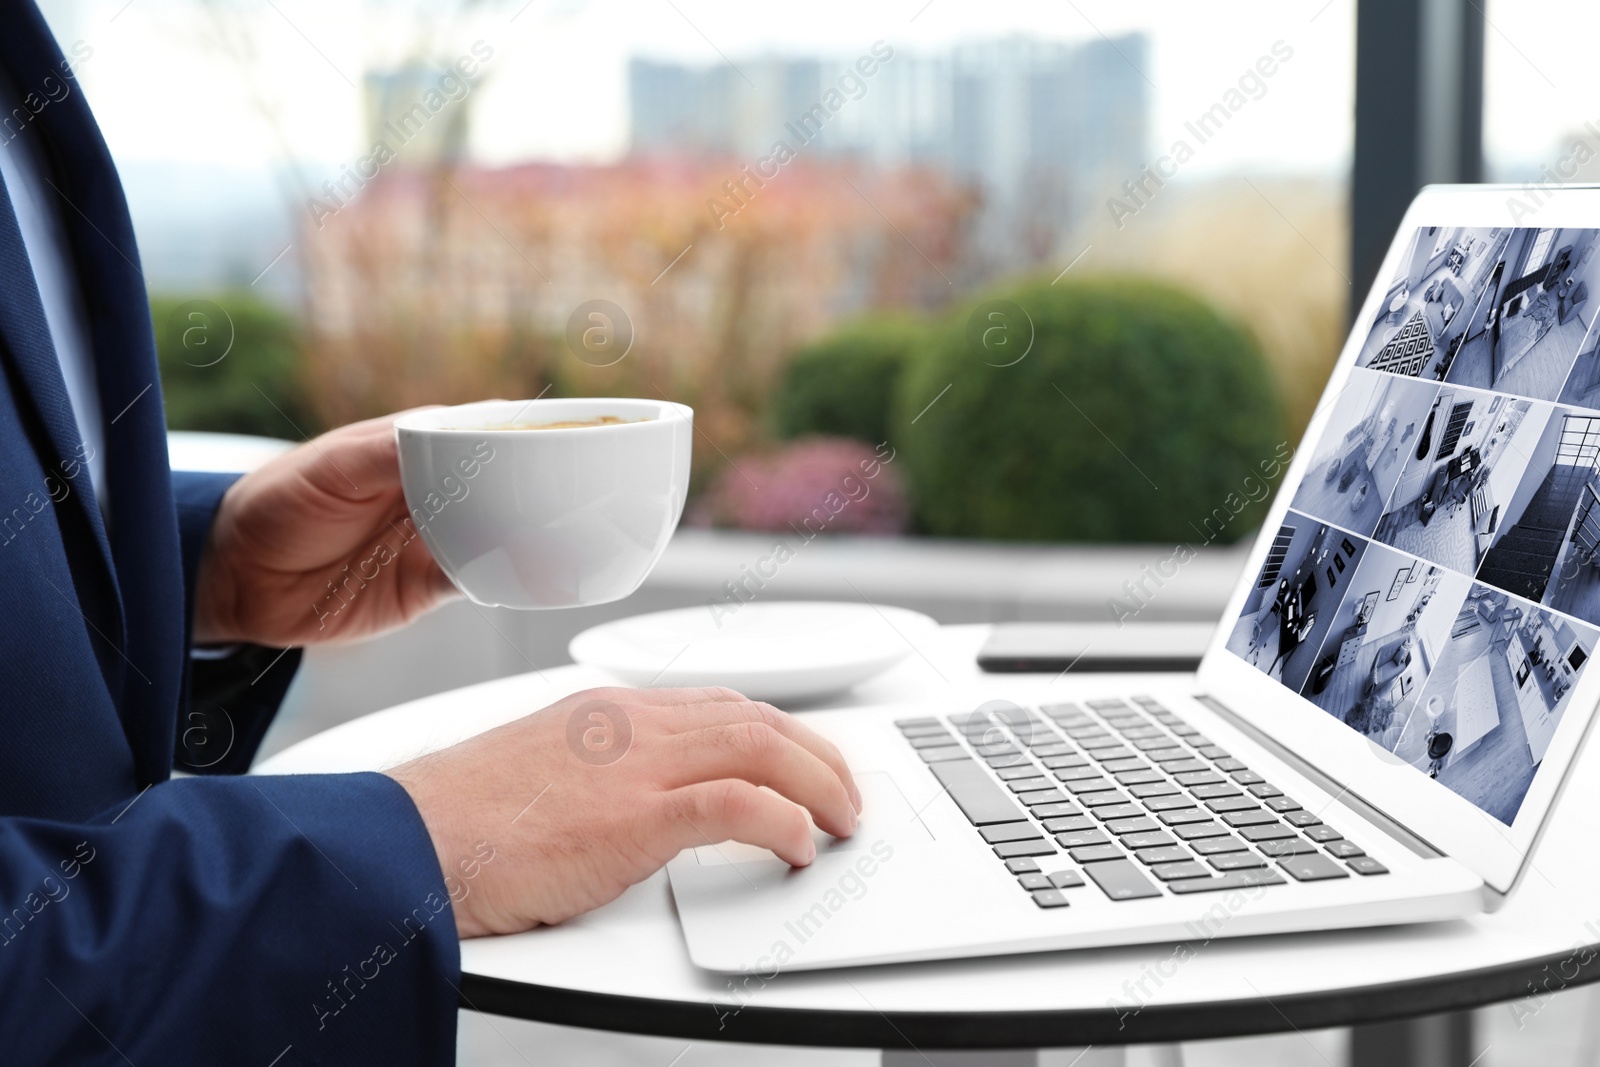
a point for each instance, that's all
(1380, 726)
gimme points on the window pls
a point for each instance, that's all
(1580, 441)
(1275, 556)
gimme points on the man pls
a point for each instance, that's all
(221, 919)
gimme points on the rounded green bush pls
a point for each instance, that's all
(1138, 414)
(230, 363)
(843, 385)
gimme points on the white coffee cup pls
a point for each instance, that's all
(546, 518)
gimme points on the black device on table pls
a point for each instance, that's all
(1014, 648)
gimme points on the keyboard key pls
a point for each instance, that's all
(1248, 778)
(1172, 872)
(1166, 756)
(1051, 747)
(1102, 800)
(1124, 766)
(1233, 803)
(1312, 867)
(1092, 854)
(1281, 803)
(1232, 861)
(1213, 752)
(1121, 880)
(924, 721)
(1111, 755)
(1216, 845)
(1049, 898)
(1274, 832)
(1264, 790)
(1095, 853)
(929, 729)
(1289, 846)
(1016, 759)
(1089, 785)
(1366, 865)
(1184, 766)
(1093, 742)
(1184, 815)
(1009, 831)
(1021, 865)
(986, 751)
(1069, 824)
(1185, 730)
(1055, 710)
(1301, 818)
(1036, 880)
(1228, 763)
(1257, 817)
(1134, 733)
(1025, 785)
(1038, 797)
(1117, 812)
(1107, 703)
(1194, 778)
(975, 793)
(1157, 740)
(1231, 880)
(1135, 825)
(1066, 879)
(1147, 839)
(1153, 789)
(1054, 811)
(941, 755)
(1198, 830)
(1012, 774)
(1169, 802)
(1322, 833)
(1078, 774)
(1080, 838)
(1016, 849)
(1344, 849)
(1139, 777)
(1008, 713)
(1162, 854)
(1062, 762)
(932, 740)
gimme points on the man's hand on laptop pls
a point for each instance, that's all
(598, 791)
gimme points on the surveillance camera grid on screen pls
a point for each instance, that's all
(1434, 580)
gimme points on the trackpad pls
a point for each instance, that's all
(886, 814)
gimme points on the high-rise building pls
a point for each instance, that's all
(1042, 128)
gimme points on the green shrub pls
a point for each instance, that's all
(230, 363)
(1136, 415)
(843, 385)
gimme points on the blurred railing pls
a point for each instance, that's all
(953, 581)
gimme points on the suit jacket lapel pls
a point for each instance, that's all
(26, 336)
(148, 574)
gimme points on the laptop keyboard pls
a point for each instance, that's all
(1126, 795)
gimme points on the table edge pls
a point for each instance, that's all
(755, 1024)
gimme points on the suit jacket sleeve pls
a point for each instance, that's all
(292, 920)
(231, 699)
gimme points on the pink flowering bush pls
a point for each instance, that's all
(810, 486)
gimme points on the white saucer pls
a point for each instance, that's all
(784, 650)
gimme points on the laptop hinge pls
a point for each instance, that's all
(1333, 788)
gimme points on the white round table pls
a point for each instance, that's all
(624, 966)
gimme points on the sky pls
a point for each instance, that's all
(168, 87)
(205, 102)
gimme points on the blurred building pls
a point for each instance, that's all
(1039, 128)
(436, 284)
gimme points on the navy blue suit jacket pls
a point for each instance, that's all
(208, 919)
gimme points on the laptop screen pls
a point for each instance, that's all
(1435, 583)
